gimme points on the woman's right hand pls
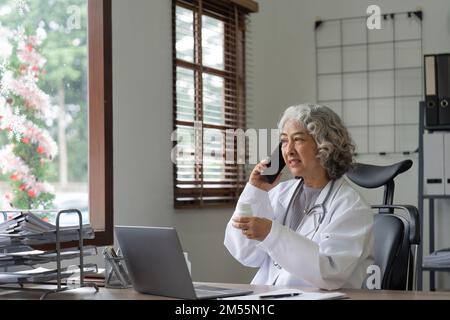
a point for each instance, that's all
(257, 180)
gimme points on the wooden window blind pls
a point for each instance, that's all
(208, 100)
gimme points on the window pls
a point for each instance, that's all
(58, 59)
(209, 100)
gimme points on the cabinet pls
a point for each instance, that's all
(434, 185)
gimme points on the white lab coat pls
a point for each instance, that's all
(336, 257)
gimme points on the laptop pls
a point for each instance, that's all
(156, 265)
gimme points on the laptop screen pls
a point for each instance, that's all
(156, 264)
(155, 261)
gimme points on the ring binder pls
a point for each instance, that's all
(431, 96)
(443, 72)
(437, 90)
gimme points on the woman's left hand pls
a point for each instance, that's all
(253, 227)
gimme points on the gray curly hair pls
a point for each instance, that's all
(335, 148)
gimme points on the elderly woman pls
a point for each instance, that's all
(314, 230)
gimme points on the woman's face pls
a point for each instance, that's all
(300, 151)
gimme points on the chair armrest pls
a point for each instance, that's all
(413, 219)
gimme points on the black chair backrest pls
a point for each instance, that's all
(393, 234)
(371, 176)
(391, 250)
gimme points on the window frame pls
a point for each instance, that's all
(101, 182)
(200, 69)
(100, 88)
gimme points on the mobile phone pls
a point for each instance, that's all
(275, 166)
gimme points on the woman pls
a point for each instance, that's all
(314, 230)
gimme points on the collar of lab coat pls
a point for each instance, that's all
(286, 196)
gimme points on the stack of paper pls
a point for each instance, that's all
(29, 229)
(438, 259)
(40, 275)
(291, 294)
(27, 256)
(24, 230)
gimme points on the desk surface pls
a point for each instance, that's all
(130, 294)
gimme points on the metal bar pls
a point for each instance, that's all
(431, 208)
(317, 65)
(414, 270)
(371, 43)
(421, 198)
(365, 17)
(367, 71)
(438, 128)
(342, 68)
(395, 80)
(431, 232)
(389, 153)
(445, 269)
(383, 125)
(58, 246)
(58, 251)
(368, 89)
(376, 98)
(436, 197)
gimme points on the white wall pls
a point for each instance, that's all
(284, 51)
(142, 66)
(282, 73)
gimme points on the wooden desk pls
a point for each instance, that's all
(130, 294)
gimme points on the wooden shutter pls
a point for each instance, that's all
(208, 100)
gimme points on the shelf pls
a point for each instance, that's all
(432, 209)
(438, 128)
(434, 269)
(436, 196)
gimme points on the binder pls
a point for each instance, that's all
(433, 163)
(443, 82)
(447, 162)
(431, 95)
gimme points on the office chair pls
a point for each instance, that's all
(396, 227)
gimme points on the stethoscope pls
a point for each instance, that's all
(319, 209)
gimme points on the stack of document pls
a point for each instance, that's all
(29, 229)
(40, 275)
(438, 259)
(24, 255)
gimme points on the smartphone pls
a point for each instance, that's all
(275, 166)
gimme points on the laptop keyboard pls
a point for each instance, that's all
(203, 292)
(208, 288)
